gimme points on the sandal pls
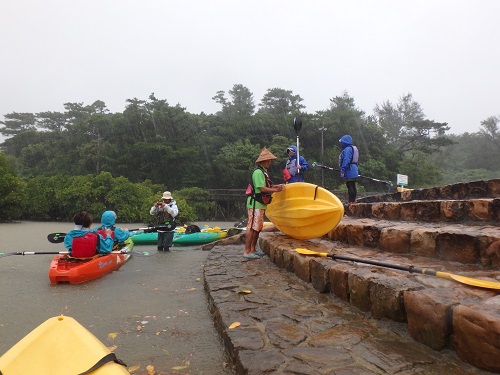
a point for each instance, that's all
(251, 256)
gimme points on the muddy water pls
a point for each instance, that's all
(153, 310)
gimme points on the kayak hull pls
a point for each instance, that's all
(198, 238)
(145, 238)
(59, 346)
(64, 269)
(304, 211)
(181, 238)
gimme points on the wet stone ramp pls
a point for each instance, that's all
(288, 327)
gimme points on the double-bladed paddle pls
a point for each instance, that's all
(59, 237)
(411, 269)
(297, 125)
(386, 182)
(137, 253)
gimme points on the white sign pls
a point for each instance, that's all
(402, 180)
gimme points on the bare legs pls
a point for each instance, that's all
(251, 238)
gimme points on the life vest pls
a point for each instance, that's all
(165, 221)
(354, 159)
(264, 198)
(102, 232)
(85, 246)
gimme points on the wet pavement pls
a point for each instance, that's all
(282, 325)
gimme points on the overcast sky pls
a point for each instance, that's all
(444, 52)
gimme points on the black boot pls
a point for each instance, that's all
(160, 248)
(166, 248)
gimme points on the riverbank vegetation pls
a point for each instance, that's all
(55, 162)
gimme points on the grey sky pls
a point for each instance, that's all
(444, 52)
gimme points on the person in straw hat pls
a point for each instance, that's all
(259, 193)
(165, 211)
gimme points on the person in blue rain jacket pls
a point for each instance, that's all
(348, 164)
(295, 172)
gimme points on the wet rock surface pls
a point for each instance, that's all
(286, 326)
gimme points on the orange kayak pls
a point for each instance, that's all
(65, 269)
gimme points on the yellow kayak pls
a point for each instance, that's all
(305, 211)
(59, 346)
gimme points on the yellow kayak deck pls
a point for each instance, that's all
(305, 211)
(59, 346)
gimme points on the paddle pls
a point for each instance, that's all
(297, 125)
(59, 237)
(137, 253)
(411, 269)
(386, 182)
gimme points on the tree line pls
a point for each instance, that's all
(156, 146)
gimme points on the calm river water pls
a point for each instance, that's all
(152, 311)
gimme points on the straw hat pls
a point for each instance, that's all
(265, 154)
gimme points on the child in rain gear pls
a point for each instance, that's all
(119, 235)
(82, 242)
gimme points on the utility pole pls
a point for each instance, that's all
(322, 130)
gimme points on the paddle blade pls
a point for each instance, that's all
(297, 124)
(139, 253)
(310, 252)
(56, 237)
(469, 280)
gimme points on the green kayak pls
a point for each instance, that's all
(199, 238)
(145, 238)
(180, 239)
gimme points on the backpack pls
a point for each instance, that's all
(192, 229)
(85, 246)
(264, 198)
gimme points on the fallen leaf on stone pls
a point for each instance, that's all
(234, 325)
(134, 368)
(191, 289)
(138, 328)
(244, 291)
(150, 369)
(179, 368)
(112, 335)
(144, 322)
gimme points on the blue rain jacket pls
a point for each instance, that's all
(105, 244)
(108, 221)
(291, 165)
(346, 167)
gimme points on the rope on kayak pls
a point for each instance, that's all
(107, 358)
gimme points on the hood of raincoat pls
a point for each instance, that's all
(108, 219)
(345, 141)
(294, 149)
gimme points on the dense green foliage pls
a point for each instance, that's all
(11, 191)
(88, 157)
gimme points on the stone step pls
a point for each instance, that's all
(439, 313)
(472, 211)
(474, 245)
(458, 191)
